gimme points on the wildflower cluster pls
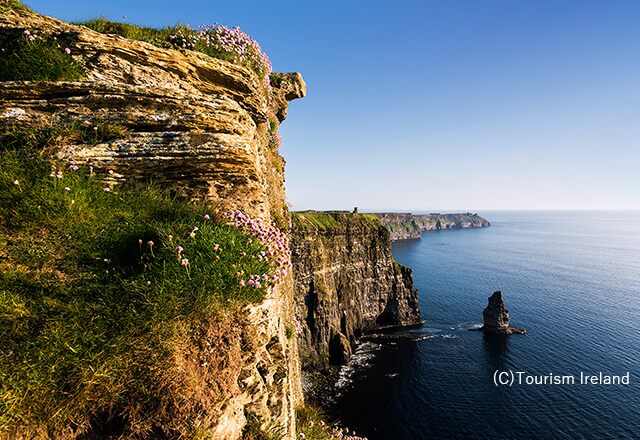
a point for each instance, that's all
(226, 43)
(33, 36)
(275, 140)
(276, 245)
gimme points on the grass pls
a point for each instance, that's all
(331, 220)
(7, 5)
(38, 60)
(157, 37)
(311, 425)
(92, 314)
(253, 431)
(162, 38)
(58, 132)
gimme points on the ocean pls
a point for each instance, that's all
(572, 279)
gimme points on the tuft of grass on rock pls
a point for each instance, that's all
(311, 423)
(7, 5)
(38, 60)
(155, 36)
(60, 131)
(253, 431)
(101, 290)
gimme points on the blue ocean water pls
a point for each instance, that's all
(571, 278)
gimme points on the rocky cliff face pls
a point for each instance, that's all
(410, 226)
(200, 126)
(346, 283)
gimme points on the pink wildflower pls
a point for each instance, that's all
(184, 261)
(67, 51)
(16, 183)
(241, 283)
(206, 217)
(107, 189)
(150, 243)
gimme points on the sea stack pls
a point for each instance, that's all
(496, 317)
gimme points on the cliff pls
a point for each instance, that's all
(200, 126)
(410, 226)
(346, 284)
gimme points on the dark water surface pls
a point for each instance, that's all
(572, 279)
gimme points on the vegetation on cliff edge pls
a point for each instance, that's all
(33, 57)
(218, 41)
(330, 220)
(311, 424)
(103, 289)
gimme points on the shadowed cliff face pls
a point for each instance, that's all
(346, 283)
(403, 226)
(200, 126)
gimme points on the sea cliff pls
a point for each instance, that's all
(403, 226)
(346, 283)
(142, 115)
(201, 127)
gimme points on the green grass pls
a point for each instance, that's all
(59, 131)
(155, 36)
(90, 317)
(38, 60)
(253, 431)
(161, 38)
(6, 5)
(311, 424)
(331, 221)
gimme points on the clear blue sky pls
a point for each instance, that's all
(442, 105)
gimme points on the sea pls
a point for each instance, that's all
(572, 279)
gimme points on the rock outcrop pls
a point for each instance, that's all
(404, 226)
(195, 123)
(347, 283)
(496, 317)
(200, 126)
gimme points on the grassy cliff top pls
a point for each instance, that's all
(332, 220)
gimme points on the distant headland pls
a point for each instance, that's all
(403, 226)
